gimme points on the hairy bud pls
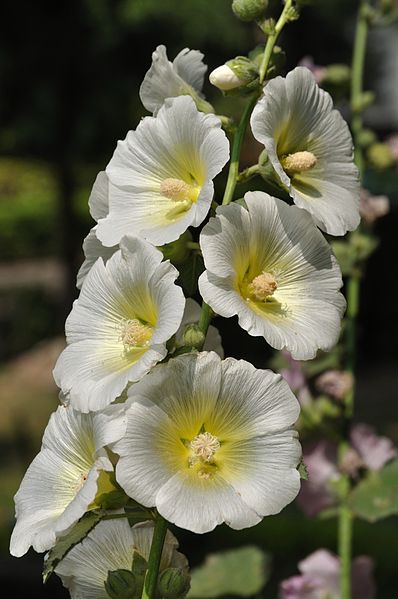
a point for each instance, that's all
(173, 583)
(249, 10)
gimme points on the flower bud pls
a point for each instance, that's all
(337, 74)
(380, 156)
(173, 583)
(193, 336)
(249, 10)
(120, 584)
(240, 72)
(224, 78)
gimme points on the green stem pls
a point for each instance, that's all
(235, 153)
(272, 38)
(345, 546)
(143, 515)
(151, 578)
(358, 64)
(353, 289)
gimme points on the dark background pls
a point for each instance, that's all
(70, 72)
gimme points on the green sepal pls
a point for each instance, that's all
(174, 583)
(110, 495)
(121, 584)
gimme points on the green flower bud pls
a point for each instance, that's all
(173, 583)
(193, 336)
(120, 584)
(366, 137)
(380, 156)
(249, 10)
(177, 251)
(337, 74)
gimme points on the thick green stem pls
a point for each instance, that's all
(151, 578)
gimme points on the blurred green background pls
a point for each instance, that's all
(70, 72)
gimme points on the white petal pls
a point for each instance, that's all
(98, 201)
(257, 400)
(202, 505)
(141, 469)
(190, 67)
(160, 82)
(109, 546)
(93, 249)
(265, 474)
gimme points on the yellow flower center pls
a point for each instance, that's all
(134, 334)
(262, 286)
(204, 446)
(179, 191)
(298, 162)
(202, 450)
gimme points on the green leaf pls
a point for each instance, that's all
(376, 496)
(190, 271)
(242, 571)
(302, 468)
(65, 544)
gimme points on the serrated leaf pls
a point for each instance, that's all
(242, 571)
(376, 496)
(72, 538)
(190, 271)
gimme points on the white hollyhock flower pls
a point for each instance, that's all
(119, 326)
(213, 341)
(272, 267)
(165, 79)
(161, 174)
(310, 147)
(209, 441)
(61, 482)
(111, 546)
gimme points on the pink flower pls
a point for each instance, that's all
(316, 493)
(295, 377)
(320, 573)
(372, 207)
(318, 71)
(392, 143)
(335, 383)
(375, 451)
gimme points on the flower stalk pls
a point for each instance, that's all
(151, 578)
(345, 527)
